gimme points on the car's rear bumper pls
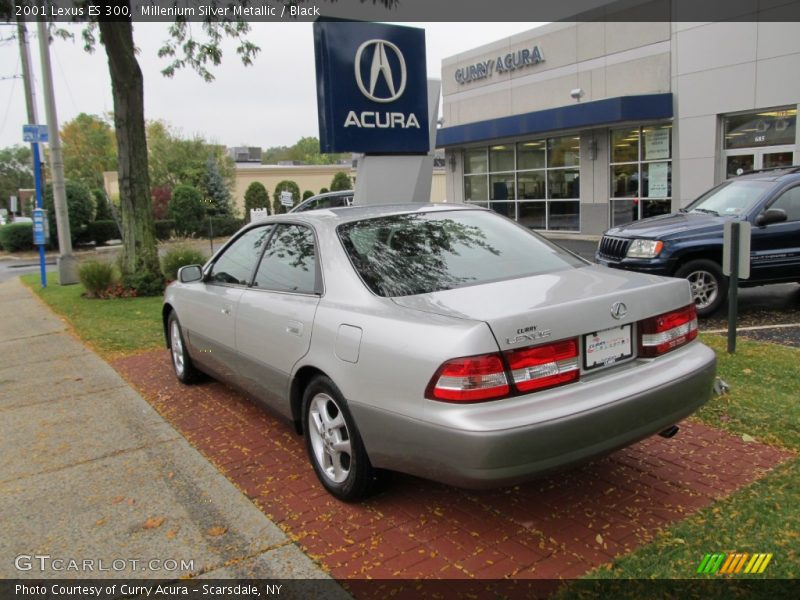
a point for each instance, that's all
(590, 418)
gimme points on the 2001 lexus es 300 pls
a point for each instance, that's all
(443, 341)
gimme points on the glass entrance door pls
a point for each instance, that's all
(752, 159)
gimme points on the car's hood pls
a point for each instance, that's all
(665, 226)
(556, 305)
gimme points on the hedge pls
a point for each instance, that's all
(101, 231)
(16, 237)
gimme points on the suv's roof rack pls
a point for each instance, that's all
(790, 169)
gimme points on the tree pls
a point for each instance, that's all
(256, 196)
(341, 181)
(89, 148)
(16, 171)
(285, 186)
(217, 194)
(307, 194)
(187, 209)
(174, 160)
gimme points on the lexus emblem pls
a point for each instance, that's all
(381, 68)
(619, 310)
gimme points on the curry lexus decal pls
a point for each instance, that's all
(531, 333)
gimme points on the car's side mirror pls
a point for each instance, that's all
(771, 215)
(190, 273)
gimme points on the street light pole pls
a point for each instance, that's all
(67, 268)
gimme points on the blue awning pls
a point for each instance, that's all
(645, 107)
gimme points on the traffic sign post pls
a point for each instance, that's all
(736, 265)
(36, 134)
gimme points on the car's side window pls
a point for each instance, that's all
(790, 202)
(289, 263)
(235, 266)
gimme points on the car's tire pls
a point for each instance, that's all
(709, 286)
(334, 444)
(182, 363)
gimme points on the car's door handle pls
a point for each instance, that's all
(226, 310)
(295, 328)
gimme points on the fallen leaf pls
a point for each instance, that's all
(100, 522)
(748, 438)
(131, 501)
(216, 531)
(747, 371)
(170, 475)
(172, 533)
(153, 523)
(599, 539)
(117, 499)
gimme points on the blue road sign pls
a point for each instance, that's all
(34, 133)
(41, 229)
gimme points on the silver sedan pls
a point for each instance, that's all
(443, 341)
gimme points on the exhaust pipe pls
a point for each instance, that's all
(669, 432)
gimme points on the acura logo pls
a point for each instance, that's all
(619, 310)
(381, 69)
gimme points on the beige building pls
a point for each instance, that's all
(307, 177)
(576, 127)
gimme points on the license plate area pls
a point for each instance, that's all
(607, 347)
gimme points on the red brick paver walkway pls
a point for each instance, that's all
(560, 526)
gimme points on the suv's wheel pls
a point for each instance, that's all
(185, 370)
(708, 285)
(333, 442)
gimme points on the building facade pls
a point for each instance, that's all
(577, 127)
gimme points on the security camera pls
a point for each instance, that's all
(577, 93)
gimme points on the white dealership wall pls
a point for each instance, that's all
(711, 69)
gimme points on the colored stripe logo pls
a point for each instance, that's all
(735, 563)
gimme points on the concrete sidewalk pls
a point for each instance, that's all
(89, 471)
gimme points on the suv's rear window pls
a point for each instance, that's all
(418, 253)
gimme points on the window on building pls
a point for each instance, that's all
(760, 139)
(535, 182)
(641, 173)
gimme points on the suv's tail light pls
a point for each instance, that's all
(469, 379)
(545, 366)
(668, 331)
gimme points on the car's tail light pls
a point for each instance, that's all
(470, 379)
(668, 331)
(545, 366)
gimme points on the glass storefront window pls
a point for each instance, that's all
(531, 155)
(476, 188)
(501, 158)
(564, 152)
(624, 145)
(536, 182)
(772, 127)
(501, 187)
(475, 161)
(640, 173)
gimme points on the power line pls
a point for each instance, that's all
(10, 98)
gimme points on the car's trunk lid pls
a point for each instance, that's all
(558, 305)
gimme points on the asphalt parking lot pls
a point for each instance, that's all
(768, 313)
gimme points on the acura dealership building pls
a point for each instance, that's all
(576, 127)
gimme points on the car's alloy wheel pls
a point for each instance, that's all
(185, 370)
(333, 442)
(706, 283)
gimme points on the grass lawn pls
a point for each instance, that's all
(764, 403)
(112, 327)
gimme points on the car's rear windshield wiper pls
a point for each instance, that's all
(707, 211)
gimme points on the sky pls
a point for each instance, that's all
(272, 103)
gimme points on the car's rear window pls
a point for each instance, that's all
(419, 253)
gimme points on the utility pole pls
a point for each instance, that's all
(67, 268)
(30, 105)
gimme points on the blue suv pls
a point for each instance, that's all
(689, 243)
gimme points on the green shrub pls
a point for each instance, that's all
(223, 226)
(341, 181)
(103, 211)
(324, 191)
(287, 186)
(144, 283)
(164, 229)
(96, 277)
(307, 194)
(16, 237)
(256, 196)
(178, 257)
(186, 209)
(100, 232)
(80, 206)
